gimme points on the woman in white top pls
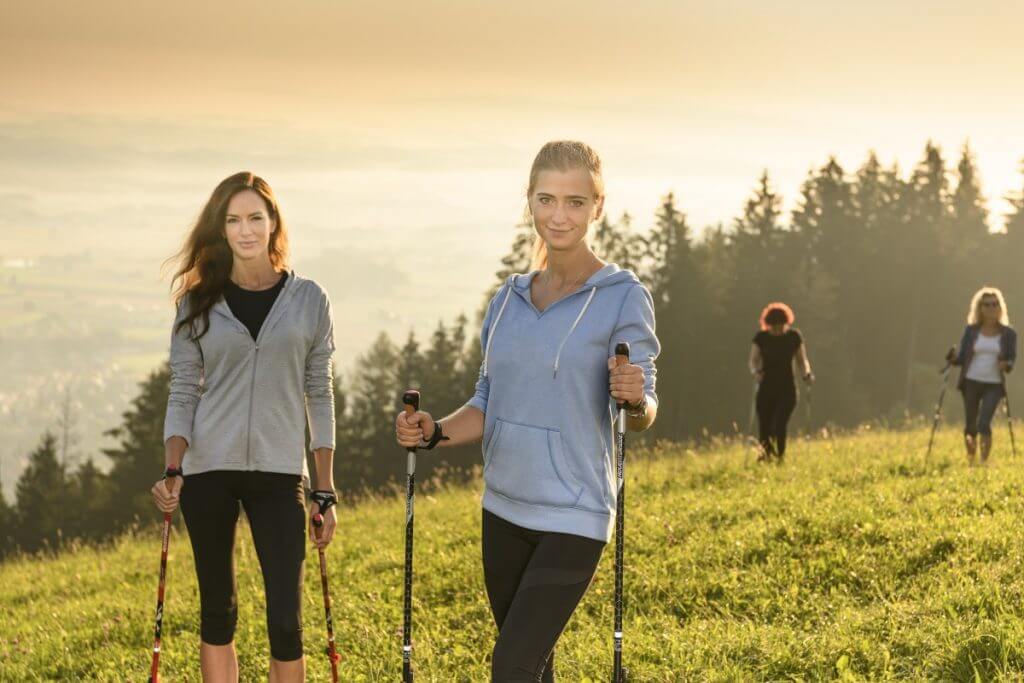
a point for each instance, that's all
(987, 352)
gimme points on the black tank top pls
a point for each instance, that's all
(251, 308)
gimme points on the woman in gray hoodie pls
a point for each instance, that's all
(251, 349)
(544, 407)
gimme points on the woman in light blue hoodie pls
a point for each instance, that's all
(544, 407)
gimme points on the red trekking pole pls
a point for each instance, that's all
(154, 669)
(318, 522)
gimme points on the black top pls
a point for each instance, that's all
(777, 355)
(250, 307)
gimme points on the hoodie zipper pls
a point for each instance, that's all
(252, 398)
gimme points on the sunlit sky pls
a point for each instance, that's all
(398, 135)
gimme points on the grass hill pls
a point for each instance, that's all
(855, 560)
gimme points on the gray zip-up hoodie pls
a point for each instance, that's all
(543, 389)
(243, 404)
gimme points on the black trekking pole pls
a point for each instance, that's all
(619, 673)
(411, 399)
(754, 438)
(332, 654)
(942, 395)
(807, 452)
(1009, 418)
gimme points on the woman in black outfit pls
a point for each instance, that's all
(772, 354)
(251, 367)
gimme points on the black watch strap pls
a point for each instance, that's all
(325, 499)
(435, 438)
(173, 472)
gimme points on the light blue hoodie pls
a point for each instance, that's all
(543, 389)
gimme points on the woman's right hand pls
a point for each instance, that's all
(411, 429)
(166, 497)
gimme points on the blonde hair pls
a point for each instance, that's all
(974, 312)
(562, 155)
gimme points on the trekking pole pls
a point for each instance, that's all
(938, 405)
(619, 673)
(754, 438)
(332, 654)
(807, 451)
(411, 399)
(1009, 418)
(154, 669)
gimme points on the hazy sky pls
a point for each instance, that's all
(398, 131)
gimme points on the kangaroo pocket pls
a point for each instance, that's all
(527, 464)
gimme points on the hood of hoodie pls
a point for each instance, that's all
(607, 276)
(519, 283)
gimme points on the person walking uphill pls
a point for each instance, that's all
(544, 406)
(988, 351)
(774, 349)
(251, 350)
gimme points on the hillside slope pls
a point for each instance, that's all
(853, 560)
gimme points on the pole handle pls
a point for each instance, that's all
(950, 357)
(621, 358)
(411, 402)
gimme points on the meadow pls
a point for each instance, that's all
(854, 560)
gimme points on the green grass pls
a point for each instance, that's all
(857, 562)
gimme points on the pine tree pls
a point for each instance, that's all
(89, 499)
(925, 246)
(6, 524)
(42, 499)
(1008, 246)
(517, 260)
(683, 316)
(376, 399)
(138, 459)
(879, 361)
(827, 238)
(616, 243)
(970, 217)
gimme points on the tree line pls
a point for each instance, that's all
(878, 264)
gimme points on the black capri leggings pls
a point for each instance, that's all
(775, 405)
(534, 582)
(275, 506)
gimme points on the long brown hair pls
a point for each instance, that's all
(203, 265)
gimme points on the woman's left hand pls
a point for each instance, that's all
(626, 382)
(1005, 366)
(322, 535)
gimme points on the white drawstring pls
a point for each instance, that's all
(593, 291)
(494, 325)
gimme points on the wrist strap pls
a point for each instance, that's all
(325, 499)
(173, 472)
(435, 438)
(637, 411)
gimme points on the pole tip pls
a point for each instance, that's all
(622, 349)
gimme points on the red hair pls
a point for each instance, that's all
(776, 306)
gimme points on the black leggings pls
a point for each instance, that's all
(775, 405)
(275, 506)
(534, 582)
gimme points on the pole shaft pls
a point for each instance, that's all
(154, 669)
(620, 529)
(410, 502)
(938, 410)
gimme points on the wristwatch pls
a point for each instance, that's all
(639, 411)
